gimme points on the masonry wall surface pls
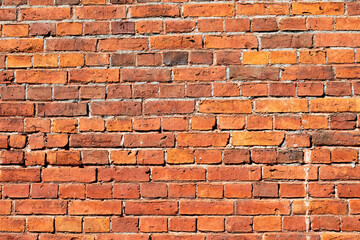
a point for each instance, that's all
(179, 120)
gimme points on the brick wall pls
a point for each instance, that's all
(179, 120)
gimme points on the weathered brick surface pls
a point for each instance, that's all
(179, 120)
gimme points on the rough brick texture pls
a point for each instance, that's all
(179, 120)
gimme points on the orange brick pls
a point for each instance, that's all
(153, 224)
(312, 56)
(210, 191)
(120, 124)
(18, 61)
(231, 122)
(211, 224)
(287, 122)
(45, 60)
(147, 27)
(72, 60)
(203, 122)
(92, 225)
(267, 224)
(340, 55)
(262, 9)
(123, 157)
(68, 224)
(69, 28)
(257, 138)
(315, 122)
(18, 30)
(11, 224)
(40, 224)
(180, 156)
(91, 125)
(325, 8)
(209, 10)
(259, 122)
(281, 105)
(256, 58)
(65, 125)
(283, 57)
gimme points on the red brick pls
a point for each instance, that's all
(151, 208)
(12, 157)
(19, 175)
(265, 189)
(348, 190)
(182, 190)
(116, 108)
(236, 156)
(181, 224)
(262, 9)
(211, 224)
(153, 224)
(302, 40)
(100, 12)
(237, 25)
(153, 190)
(253, 73)
(27, 207)
(292, 190)
(48, 13)
(267, 223)
(163, 10)
(61, 109)
(57, 140)
(150, 157)
(210, 25)
(202, 207)
(238, 190)
(125, 224)
(69, 174)
(5, 207)
(39, 190)
(202, 140)
(263, 207)
(178, 173)
(76, 44)
(34, 158)
(8, 14)
(198, 90)
(15, 191)
(325, 223)
(201, 57)
(292, 24)
(96, 28)
(264, 25)
(209, 10)
(124, 174)
(179, 26)
(95, 207)
(176, 42)
(72, 191)
(226, 89)
(321, 190)
(336, 40)
(244, 173)
(175, 123)
(147, 27)
(11, 224)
